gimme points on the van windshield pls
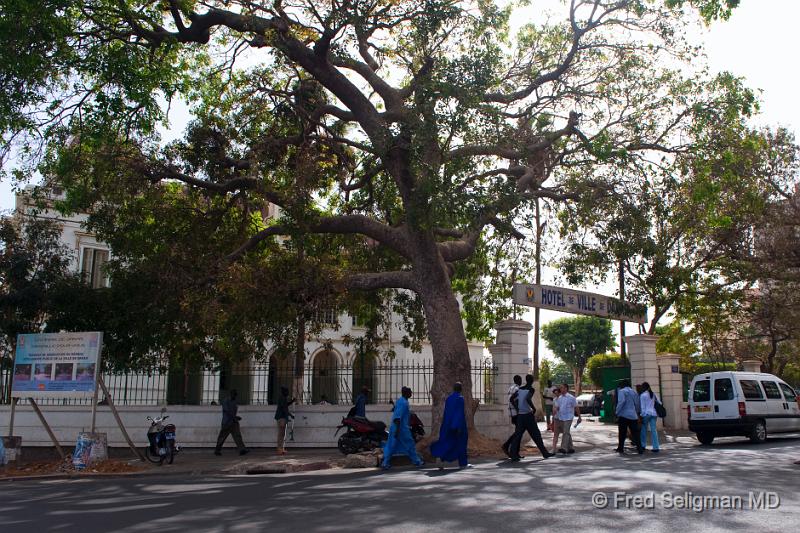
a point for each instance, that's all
(788, 393)
(702, 391)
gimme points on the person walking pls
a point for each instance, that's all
(526, 421)
(647, 401)
(548, 396)
(360, 407)
(400, 439)
(627, 412)
(453, 435)
(512, 411)
(282, 415)
(556, 428)
(230, 425)
(565, 412)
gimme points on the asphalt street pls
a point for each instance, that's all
(675, 490)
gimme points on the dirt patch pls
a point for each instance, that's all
(478, 445)
(41, 468)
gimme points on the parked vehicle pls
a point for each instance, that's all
(585, 402)
(361, 434)
(366, 435)
(162, 440)
(749, 404)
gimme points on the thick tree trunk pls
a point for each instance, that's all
(451, 361)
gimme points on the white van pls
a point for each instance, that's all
(723, 404)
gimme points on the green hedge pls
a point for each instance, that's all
(601, 360)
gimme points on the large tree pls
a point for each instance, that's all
(408, 136)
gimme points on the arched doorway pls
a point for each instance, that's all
(364, 374)
(324, 378)
(279, 375)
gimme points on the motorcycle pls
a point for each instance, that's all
(162, 440)
(361, 434)
(366, 435)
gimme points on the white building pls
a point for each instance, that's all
(334, 371)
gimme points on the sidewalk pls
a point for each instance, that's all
(589, 435)
(189, 462)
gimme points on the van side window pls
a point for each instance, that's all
(702, 391)
(772, 390)
(788, 393)
(751, 390)
(723, 389)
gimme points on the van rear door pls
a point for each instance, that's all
(726, 406)
(701, 399)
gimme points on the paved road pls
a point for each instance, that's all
(497, 496)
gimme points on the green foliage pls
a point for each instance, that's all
(672, 339)
(34, 277)
(576, 340)
(545, 373)
(600, 361)
(562, 373)
(426, 119)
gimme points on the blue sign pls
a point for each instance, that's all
(56, 365)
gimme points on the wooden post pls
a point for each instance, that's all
(118, 419)
(47, 427)
(94, 408)
(11, 420)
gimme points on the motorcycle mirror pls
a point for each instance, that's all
(150, 418)
(163, 410)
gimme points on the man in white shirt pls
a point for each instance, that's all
(566, 409)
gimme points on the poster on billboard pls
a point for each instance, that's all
(56, 365)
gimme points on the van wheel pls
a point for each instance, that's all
(705, 438)
(759, 432)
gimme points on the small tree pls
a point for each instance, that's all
(575, 340)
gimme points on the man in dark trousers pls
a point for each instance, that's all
(526, 421)
(230, 425)
(627, 412)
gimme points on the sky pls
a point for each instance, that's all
(758, 43)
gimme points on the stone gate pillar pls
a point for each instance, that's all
(642, 355)
(671, 390)
(510, 355)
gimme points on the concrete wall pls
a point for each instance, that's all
(197, 426)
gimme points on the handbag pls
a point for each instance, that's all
(660, 409)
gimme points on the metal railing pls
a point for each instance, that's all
(260, 384)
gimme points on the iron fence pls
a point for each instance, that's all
(260, 384)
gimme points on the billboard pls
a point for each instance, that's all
(56, 365)
(578, 302)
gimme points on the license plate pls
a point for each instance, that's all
(170, 436)
(702, 408)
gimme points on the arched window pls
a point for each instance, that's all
(279, 375)
(324, 379)
(364, 374)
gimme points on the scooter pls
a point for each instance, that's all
(162, 440)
